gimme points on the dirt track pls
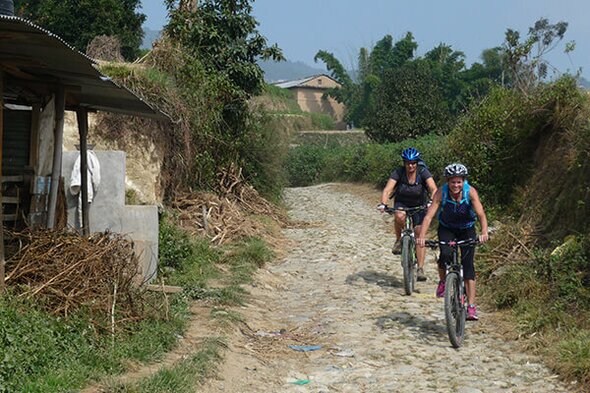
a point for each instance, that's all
(339, 287)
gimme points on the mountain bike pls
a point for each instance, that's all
(455, 293)
(408, 242)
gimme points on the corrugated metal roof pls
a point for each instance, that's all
(295, 83)
(302, 82)
(32, 54)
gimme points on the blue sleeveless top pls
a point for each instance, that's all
(456, 215)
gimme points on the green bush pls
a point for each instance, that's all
(367, 162)
(184, 260)
(175, 245)
(322, 121)
(304, 165)
(498, 138)
(569, 272)
(263, 153)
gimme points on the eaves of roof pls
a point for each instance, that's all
(36, 58)
(302, 82)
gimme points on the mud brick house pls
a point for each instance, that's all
(311, 96)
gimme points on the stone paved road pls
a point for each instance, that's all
(340, 287)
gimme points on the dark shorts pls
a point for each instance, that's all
(417, 216)
(467, 252)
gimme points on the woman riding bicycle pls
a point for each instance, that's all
(413, 181)
(459, 206)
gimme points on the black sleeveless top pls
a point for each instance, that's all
(410, 194)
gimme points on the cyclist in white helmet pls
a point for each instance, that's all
(458, 206)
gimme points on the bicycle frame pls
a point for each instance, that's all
(408, 243)
(455, 291)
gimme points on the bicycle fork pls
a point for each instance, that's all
(457, 268)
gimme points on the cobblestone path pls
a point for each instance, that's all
(340, 287)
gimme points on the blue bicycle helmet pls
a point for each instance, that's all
(410, 154)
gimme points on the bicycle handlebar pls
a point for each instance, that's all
(452, 243)
(392, 210)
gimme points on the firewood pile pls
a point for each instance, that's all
(510, 244)
(228, 214)
(66, 272)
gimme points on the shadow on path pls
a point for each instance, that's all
(427, 329)
(373, 277)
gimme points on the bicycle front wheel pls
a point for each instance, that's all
(408, 265)
(454, 310)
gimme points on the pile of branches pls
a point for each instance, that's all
(226, 215)
(511, 244)
(64, 271)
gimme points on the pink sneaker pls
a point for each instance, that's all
(440, 290)
(472, 313)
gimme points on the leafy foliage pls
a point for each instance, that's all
(358, 96)
(525, 59)
(219, 46)
(408, 103)
(365, 162)
(503, 133)
(43, 353)
(79, 21)
(222, 35)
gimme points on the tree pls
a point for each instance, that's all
(403, 50)
(223, 35)
(447, 67)
(358, 96)
(408, 103)
(79, 21)
(526, 59)
(481, 77)
(216, 45)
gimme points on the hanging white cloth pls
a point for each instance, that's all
(93, 180)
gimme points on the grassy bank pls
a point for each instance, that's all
(44, 353)
(285, 113)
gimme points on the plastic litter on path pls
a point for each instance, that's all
(305, 348)
(301, 382)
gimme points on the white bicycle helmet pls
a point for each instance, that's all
(455, 169)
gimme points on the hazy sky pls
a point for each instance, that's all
(302, 27)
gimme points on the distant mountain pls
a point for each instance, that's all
(287, 70)
(584, 83)
(149, 36)
(273, 71)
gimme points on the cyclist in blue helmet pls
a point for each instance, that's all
(410, 184)
(458, 206)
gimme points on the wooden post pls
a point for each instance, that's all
(60, 105)
(82, 115)
(2, 281)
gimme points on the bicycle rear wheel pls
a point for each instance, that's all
(454, 310)
(408, 265)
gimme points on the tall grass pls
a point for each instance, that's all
(43, 353)
(184, 375)
(366, 162)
